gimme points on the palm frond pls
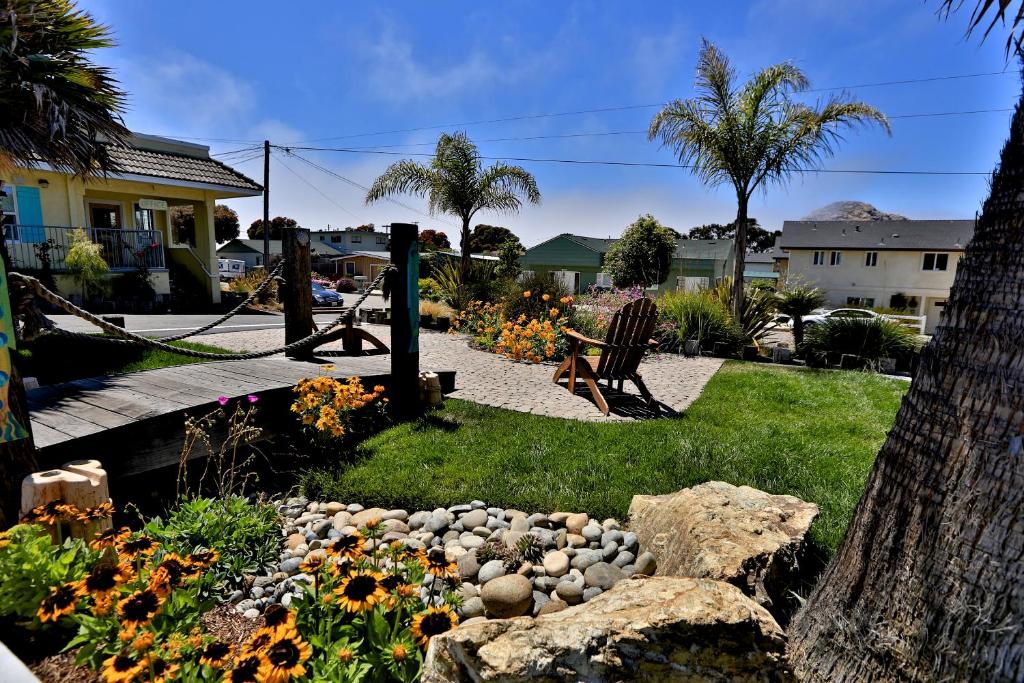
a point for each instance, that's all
(1014, 41)
(402, 177)
(502, 188)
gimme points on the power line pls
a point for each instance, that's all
(642, 164)
(328, 171)
(315, 188)
(644, 132)
(603, 110)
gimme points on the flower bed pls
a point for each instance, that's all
(534, 335)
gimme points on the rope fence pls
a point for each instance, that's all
(125, 336)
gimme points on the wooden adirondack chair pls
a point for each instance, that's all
(629, 336)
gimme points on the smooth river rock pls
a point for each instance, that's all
(507, 596)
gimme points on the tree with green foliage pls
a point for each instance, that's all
(508, 259)
(643, 255)
(225, 223)
(433, 240)
(84, 262)
(277, 226)
(753, 134)
(455, 182)
(796, 301)
(489, 238)
(759, 240)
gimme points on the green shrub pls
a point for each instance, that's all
(482, 285)
(759, 308)
(429, 289)
(247, 535)
(514, 302)
(30, 564)
(869, 338)
(700, 316)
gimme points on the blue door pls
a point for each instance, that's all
(30, 214)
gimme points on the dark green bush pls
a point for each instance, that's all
(515, 303)
(869, 338)
(247, 536)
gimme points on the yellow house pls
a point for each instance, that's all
(127, 213)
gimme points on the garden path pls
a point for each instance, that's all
(488, 379)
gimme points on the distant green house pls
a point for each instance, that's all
(578, 262)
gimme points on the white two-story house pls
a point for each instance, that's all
(899, 264)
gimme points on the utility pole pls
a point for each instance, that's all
(266, 205)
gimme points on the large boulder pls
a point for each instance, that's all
(668, 629)
(752, 539)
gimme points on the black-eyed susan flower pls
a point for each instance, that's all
(109, 538)
(143, 641)
(349, 545)
(102, 604)
(245, 670)
(61, 600)
(259, 641)
(277, 616)
(121, 669)
(432, 622)
(284, 658)
(138, 608)
(170, 573)
(313, 564)
(104, 578)
(360, 591)
(203, 559)
(345, 654)
(437, 563)
(216, 654)
(44, 514)
(160, 670)
(93, 514)
(67, 512)
(132, 548)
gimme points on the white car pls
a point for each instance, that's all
(817, 318)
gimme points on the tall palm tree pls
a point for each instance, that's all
(753, 134)
(455, 182)
(55, 104)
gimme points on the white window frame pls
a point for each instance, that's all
(935, 261)
(835, 258)
(818, 258)
(871, 259)
(603, 279)
(15, 231)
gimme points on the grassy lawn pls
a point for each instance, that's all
(63, 359)
(811, 434)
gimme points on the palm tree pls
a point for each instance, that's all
(455, 182)
(927, 584)
(752, 135)
(796, 302)
(56, 106)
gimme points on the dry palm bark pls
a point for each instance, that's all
(928, 584)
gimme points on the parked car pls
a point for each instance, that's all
(325, 297)
(816, 318)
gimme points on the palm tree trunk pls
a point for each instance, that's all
(464, 246)
(798, 333)
(928, 583)
(741, 254)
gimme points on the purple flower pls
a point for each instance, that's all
(252, 398)
(223, 400)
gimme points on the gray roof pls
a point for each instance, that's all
(242, 246)
(952, 235)
(719, 250)
(759, 257)
(598, 244)
(196, 169)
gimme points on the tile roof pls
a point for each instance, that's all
(159, 164)
(951, 235)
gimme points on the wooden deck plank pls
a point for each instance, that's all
(44, 436)
(91, 413)
(66, 423)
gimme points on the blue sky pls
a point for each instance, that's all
(255, 70)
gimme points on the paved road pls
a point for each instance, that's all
(166, 325)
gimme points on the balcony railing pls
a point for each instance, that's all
(30, 245)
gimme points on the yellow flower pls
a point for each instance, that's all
(434, 621)
(61, 600)
(526, 294)
(283, 659)
(360, 591)
(120, 669)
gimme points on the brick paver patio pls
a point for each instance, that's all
(488, 379)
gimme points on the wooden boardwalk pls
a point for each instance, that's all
(139, 417)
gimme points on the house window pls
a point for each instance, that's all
(819, 258)
(836, 258)
(866, 302)
(323, 237)
(350, 268)
(603, 280)
(143, 218)
(335, 239)
(8, 213)
(381, 239)
(936, 261)
(871, 259)
(356, 239)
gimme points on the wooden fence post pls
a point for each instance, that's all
(298, 293)
(405, 320)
